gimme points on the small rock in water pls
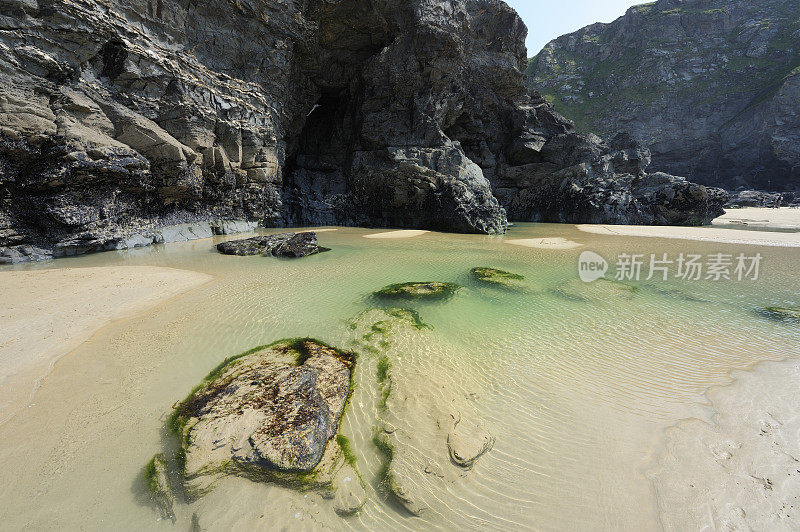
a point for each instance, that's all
(468, 441)
(418, 291)
(782, 314)
(499, 278)
(291, 245)
(299, 245)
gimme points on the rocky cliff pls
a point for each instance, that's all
(118, 117)
(712, 87)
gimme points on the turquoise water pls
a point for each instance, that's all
(576, 382)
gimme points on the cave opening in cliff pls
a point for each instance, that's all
(113, 56)
(317, 169)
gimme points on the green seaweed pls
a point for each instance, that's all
(409, 315)
(788, 314)
(383, 369)
(151, 474)
(387, 453)
(419, 291)
(180, 460)
(498, 278)
(347, 450)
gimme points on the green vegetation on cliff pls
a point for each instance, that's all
(695, 81)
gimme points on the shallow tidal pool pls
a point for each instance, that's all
(577, 383)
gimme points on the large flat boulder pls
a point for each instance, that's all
(268, 414)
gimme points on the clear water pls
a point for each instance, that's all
(577, 393)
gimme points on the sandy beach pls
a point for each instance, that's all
(545, 243)
(742, 472)
(403, 233)
(784, 218)
(574, 399)
(45, 314)
(720, 235)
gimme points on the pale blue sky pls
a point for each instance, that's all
(548, 19)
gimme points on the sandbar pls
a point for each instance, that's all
(45, 314)
(405, 233)
(701, 234)
(545, 243)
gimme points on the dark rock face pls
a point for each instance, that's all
(298, 245)
(755, 198)
(289, 245)
(578, 178)
(120, 117)
(712, 87)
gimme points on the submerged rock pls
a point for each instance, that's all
(499, 278)
(350, 494)
(675, 293)
(158, 486)
(418, 291)
(599, 291)
(782, 313)
(467, 441)
(267, 414)
(428, 431)
(290, 245)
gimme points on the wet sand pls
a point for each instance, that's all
(545, 243)
(45, 314)
(405, 233)
(700, 234)
(742, 471)
(575, 397)
(784, 218)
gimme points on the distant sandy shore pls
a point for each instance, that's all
(45, 314)
(784, 218)
(405, 233)
(702, 234)
(545, 243)
(743, 471)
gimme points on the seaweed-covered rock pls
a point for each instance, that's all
(266, 414)
(298, 245)
(499, 278)
(426, 291)
(782, 314)
(158, 486)
(291, 245)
